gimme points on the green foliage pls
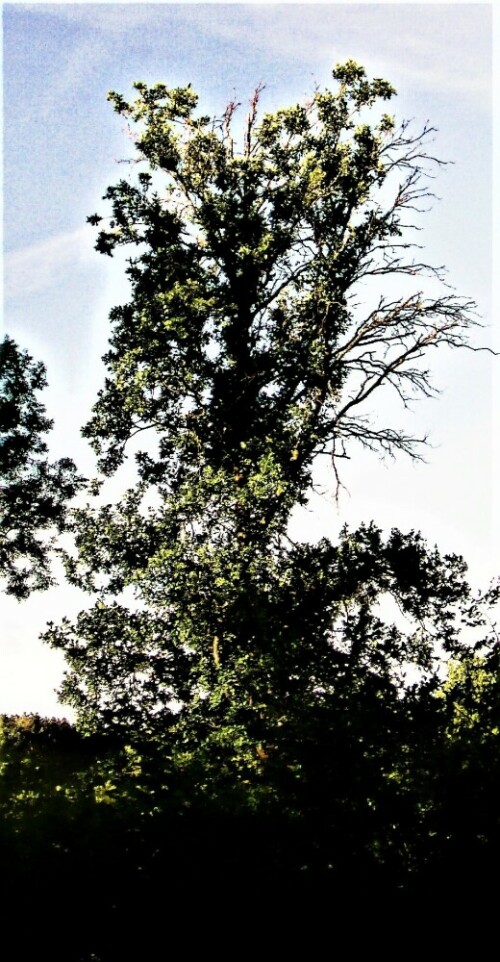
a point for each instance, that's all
(291, 690)
(33, 492)
(240, 357)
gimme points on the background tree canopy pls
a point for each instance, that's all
(33, 492)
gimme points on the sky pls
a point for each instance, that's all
(62, 145)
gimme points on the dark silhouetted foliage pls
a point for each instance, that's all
(33, 492)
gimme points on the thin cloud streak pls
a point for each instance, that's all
(446, 58)
(38, 267)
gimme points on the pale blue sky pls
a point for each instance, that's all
(61, 144)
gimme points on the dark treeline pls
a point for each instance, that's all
(401, 806)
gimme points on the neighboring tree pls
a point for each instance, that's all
(33, 492)
(255, 335)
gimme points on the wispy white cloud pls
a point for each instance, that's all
(39, 266)
(75, 69)
(442, 47)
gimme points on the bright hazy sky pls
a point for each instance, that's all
(61, 146)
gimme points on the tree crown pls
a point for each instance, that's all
(244, 339)
(245, 350)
